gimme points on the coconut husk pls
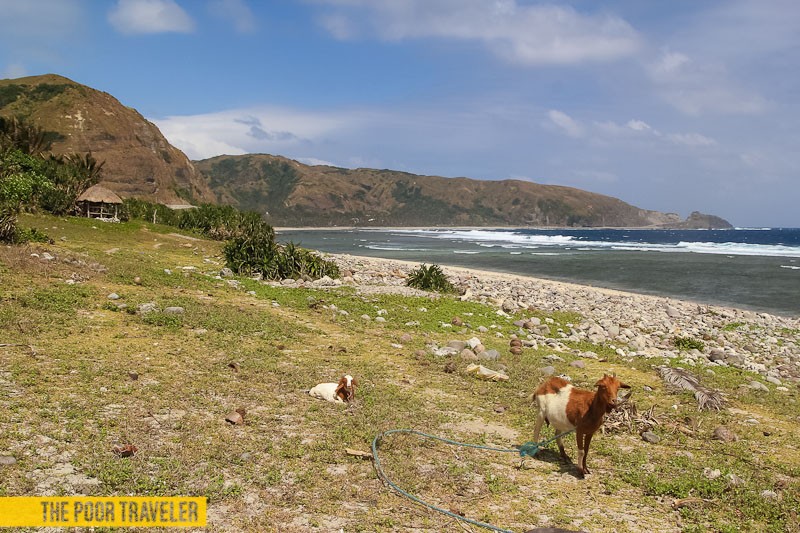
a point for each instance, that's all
(124, 450)
(236, 417)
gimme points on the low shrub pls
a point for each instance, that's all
(688, 343)
(430, 278)
(254, 251)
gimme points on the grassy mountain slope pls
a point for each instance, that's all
(139, 162)
(297, 194)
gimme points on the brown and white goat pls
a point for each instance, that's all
(342, 392)
(566, 407)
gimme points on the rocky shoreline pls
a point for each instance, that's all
(635, 325)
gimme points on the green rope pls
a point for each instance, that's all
(529, 449)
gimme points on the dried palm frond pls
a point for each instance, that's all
(627, 417)
(681, 379)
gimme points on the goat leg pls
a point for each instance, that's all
(561, 449)
(583, 452)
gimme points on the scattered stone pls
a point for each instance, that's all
(468, 355)
(457, 322)
(113, 296)
(649, 436)
(226, 273)
(578, 364)
(450, 367)
(712, 474)
(174, 310)
(716, 354)
(735, 481)
(548, 370)
(489, 355)
(137, 280)
(516, 350)
(405, 338)
(769, 494)
(145, 308)
(457, 345)
(7, 460)
(757, 385)
(724, 434)
(133, 376)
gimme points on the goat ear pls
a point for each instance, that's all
(354, 381)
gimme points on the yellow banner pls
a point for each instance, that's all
(88, 511)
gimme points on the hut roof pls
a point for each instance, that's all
(98, 193)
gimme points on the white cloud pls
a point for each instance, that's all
(522, 34)
(261, 130)
(691, 139)
(237, 12)
(313, 161)
(567, 124)
(700, 88)
(638, 125)
(150, 16)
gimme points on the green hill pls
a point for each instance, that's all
(139, 162)
(296, 194)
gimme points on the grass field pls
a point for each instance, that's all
(79, 374)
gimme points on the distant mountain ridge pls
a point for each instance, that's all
(140, 162)
(296, 194)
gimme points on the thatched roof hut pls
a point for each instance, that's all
(98, 202)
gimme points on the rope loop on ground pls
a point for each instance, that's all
(527, 449)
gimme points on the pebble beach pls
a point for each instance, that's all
(634, 325)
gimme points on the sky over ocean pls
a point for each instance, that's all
(673, 106)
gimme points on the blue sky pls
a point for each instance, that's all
(674, 106)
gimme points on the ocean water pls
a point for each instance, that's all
(757, 269)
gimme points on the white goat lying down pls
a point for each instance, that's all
(342, 392)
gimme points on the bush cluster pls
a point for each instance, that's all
(254, 251)
(32, 179)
